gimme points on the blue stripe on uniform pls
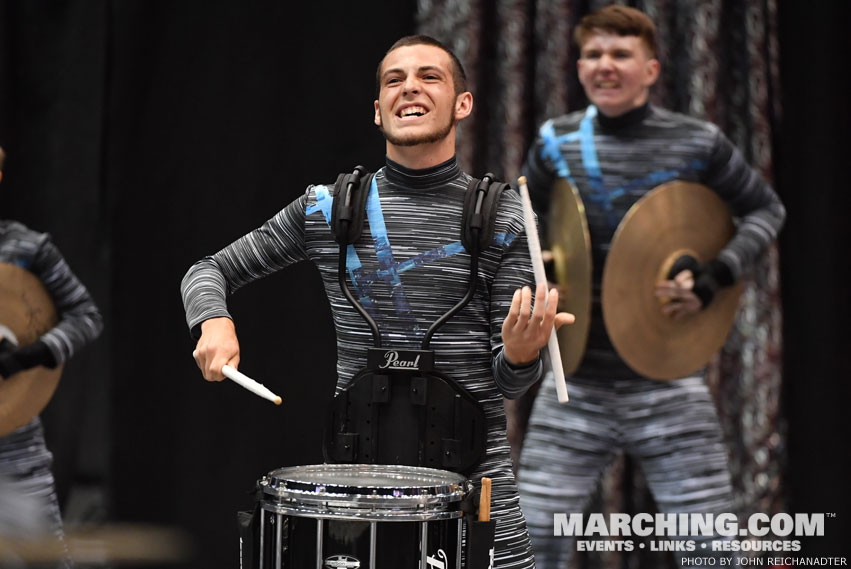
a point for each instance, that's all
(384, 254)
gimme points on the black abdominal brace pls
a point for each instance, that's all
(399, 409)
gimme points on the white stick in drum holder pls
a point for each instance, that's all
(541, 278)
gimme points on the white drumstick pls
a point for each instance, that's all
(541, 278)
(248, 383)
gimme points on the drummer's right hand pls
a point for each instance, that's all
(217, 347)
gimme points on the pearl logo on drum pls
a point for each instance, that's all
(434, 562)
(341, 562)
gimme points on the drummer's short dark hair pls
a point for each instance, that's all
(2, 157)
(620, 20)
(459, 77)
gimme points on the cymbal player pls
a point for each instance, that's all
(615, 152)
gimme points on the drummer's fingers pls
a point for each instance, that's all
(234, 362)
(552, 308)
(214, 369)
(525, 307)
(200, 355)
(514, 309)
(541, 307)
(564, 318)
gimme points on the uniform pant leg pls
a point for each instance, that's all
(674, 432)
(27, 493)
(566, 450)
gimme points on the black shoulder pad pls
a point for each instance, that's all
(350, 191)
(480, 212)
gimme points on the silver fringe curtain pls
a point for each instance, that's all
(719, 63)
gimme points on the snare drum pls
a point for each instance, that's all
(359, 516)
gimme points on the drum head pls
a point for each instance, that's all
(324, 487)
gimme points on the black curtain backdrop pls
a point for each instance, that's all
(146, 134)
(811, 178)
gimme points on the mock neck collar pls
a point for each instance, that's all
(423, 178)
(627, 119)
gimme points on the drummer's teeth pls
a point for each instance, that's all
(608, 85)
(413, 111)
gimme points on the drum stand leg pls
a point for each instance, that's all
(319, 527)
(278, 546)
(373, 538)
(424, 546)
(262, 536)
(458, 546)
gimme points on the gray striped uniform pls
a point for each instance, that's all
(407, 269)
(25, 476)
(670, 428)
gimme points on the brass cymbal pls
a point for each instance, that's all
(27, 309)
(570, 243)
(672, 219)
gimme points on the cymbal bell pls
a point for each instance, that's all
(27, 309)
(672, 219)
(570, 243)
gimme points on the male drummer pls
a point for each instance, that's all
(614, 152)
(25, 477)
(406, 269)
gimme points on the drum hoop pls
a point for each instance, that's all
(362, 515)
(294, 483)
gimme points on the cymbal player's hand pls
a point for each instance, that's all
(9, 365)
(526, 330)
(218, 346)
(682, 301)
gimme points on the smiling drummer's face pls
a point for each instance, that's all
(417, 103)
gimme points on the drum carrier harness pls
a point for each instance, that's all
(399, 409)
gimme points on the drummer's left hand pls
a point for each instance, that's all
(525, 330)
(681, 301)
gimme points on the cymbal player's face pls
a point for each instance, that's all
(417, 102)
(616, 72)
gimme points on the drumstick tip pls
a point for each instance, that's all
(277, 400)
(521, 180)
